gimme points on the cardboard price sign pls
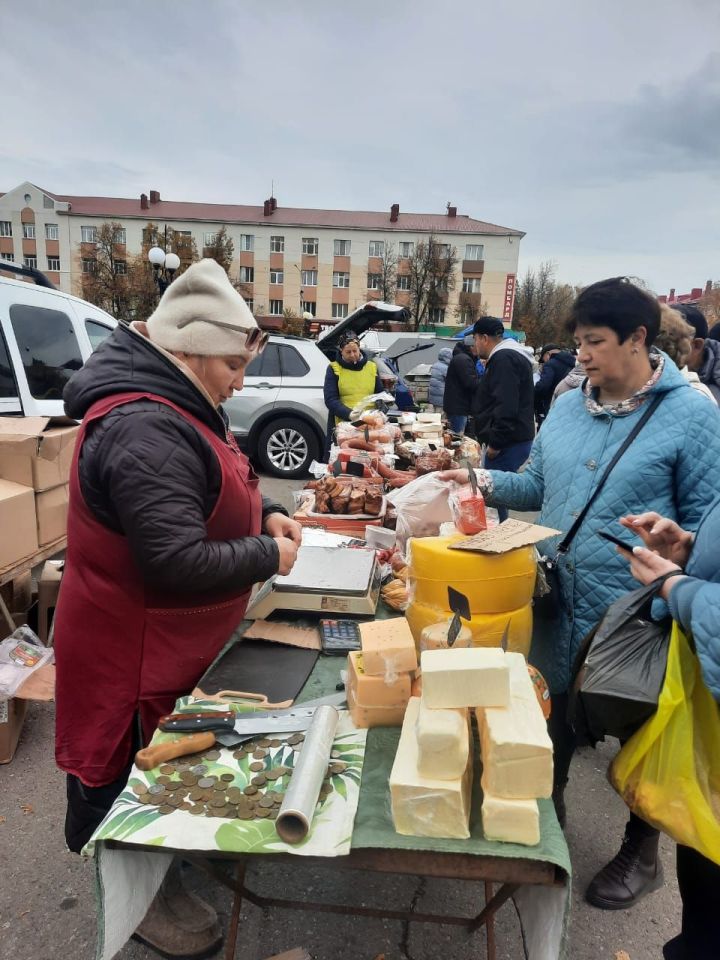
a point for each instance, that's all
(509, 535)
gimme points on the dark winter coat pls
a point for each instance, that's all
(709, 373)
(438, 374)
(553, 371)
(147, 474)
(504, 401)
(460, 383)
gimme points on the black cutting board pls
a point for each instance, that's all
(272, 670)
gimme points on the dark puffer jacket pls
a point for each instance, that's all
(460, 382)
(503, 406)
(553, 371)
(709, 373)
(148, 474)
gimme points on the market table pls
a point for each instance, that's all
(537, 878)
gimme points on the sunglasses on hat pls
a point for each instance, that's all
(255, 338)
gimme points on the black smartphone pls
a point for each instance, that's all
(617, 541)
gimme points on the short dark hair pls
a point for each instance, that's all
(490, 326)
(617, 303)
(547, 347)
(694, 316)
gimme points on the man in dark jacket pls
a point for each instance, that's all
(504, 401)
(704, 359)
(555, 365)
(460, 386)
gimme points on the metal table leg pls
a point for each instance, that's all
(231, 945)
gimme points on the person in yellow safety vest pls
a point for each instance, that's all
(347, 380)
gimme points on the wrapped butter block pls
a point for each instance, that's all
(434, 637)
(512, 821)
(367, 717)
(443, 738)
(388, 648)
(516, 750)
(478, 677)
(425, 806)
(376, 691)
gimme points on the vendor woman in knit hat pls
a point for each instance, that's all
(167, 533)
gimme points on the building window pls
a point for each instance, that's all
(341, 248)
(406, 250)
(276, 276)
(473, 251)
(48, 202)
(53, 263)
(441, 250)
(89, 265)
(339, 311)
(403, 282)
(309, 278)
(437, 315)
(309, 307)
(30, 262)
(247, 274)
(209, 239)
(341, 279)
(51, 231)
(471, 284)
(310, 245)
(88, 234)
(120, 267)
(5, 228)
(276, 308)
(250, 303)
(10, 257)
(29, 231)
(120, 236)
(376, 248)
(374, 281)
(277, 245)
(247, 242)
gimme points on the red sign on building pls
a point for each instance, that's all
(509, 296)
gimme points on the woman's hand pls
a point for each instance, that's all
(646, 566)
(459, 476)
(662, 535)
(288, 554)
(277, 525)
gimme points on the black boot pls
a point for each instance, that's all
(634, 872)
(563, 740)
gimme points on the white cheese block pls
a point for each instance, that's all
(474, 677)
(429, 418)
(443, 738)
(517, 752)
(513, 821)
(426, 806)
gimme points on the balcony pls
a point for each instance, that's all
(473, 268)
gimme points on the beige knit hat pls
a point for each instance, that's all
(202, 313)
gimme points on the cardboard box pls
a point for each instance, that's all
(51, 507)
(17, 522)
(37, 451)
(12, 718)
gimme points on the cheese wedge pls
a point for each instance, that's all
(478, 677)
(425, 806)
(443, 738)
(435, 636)
(388, 648)
(367, 717)
(517, 752)
(513, 821)
(376, 691)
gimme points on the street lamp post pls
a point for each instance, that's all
(164, 266)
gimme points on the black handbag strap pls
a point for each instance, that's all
(649, 411)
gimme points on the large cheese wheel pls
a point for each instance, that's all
(493, 583)
(487, 629)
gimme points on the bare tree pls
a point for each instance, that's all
(104, 279)
(470, 307)
(432, 278)
(542, 305)
(222, 249)
(710, 304)
(388, 273)
(181, 243)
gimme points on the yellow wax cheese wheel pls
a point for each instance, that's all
(493, 583)
(487, 629)
(435, 636)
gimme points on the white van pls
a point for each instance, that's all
(45, 336)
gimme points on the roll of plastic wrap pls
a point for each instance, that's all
(298, 808)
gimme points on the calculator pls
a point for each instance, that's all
(339, 636)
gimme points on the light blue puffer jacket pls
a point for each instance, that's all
(438, 373)
(695, 601)
(673, 467)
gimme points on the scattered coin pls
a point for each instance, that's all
(257, 766)
(163, 779)
(217, 802)
(234, 794)
(266, 802)
(273, 774)
(197, 810)
(186, 806)
(212, 755)
(167, 769)
(275, 743)
(260, 780)
(262, 812)
(240, 754)
(334, 755)
(336, 768)
(157, 800)
(260, 753)
(273, 814)
(199, 769)
(196, 794)
(220, 787)
(139, 789)
(295, 739)
(165, 808)
(264, 742)
(245, 814)
(156, 788)
(206, 782)
(145, 798)
(250, 789)
(189, 779)
(227, 777)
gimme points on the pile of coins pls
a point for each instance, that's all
(186, 784)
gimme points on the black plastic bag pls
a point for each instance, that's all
(619, 670)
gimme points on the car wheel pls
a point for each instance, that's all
(287, 447)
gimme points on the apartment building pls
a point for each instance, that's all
(323, 262)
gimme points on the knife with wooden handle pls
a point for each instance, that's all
(150, 757)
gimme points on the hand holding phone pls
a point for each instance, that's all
(617, 541)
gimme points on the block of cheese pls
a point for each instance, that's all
(443, 738)
(429, 418)
(435, 636)
(367, 717)
(425, 806)
(513, 821)
(376, 691)
(487, 629)
(516, 750)
(475, 677)
(388, 647)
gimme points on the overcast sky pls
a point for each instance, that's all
(594, 127)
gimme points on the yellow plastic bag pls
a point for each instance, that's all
(668, 772)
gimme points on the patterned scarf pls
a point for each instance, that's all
(621, 408)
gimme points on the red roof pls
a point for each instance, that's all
(121, 208)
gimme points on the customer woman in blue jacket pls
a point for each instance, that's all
(670, 468)
(693, 597)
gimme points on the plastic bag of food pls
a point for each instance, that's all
(21, 654)
(422, 505)
(468, 509)
(370, 401)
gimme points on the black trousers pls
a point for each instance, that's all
(699, 882)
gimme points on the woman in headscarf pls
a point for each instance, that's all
(347, 380)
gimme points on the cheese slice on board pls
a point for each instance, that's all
(443, 738)
(376, 691)
(517, 752)
(512, 821)
(475, 677)
(388, 648)
(425, 806)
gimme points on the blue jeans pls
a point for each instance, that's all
(457, 422)
(509, 460)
